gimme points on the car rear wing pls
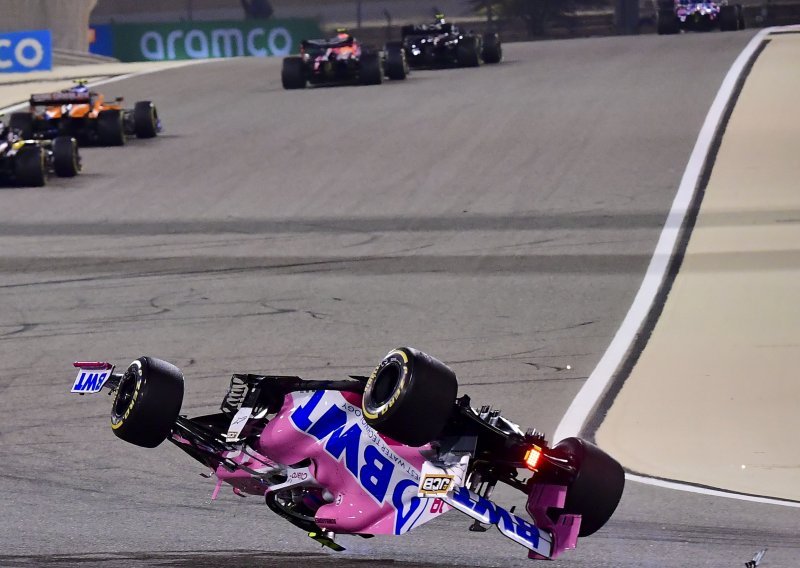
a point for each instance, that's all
(326, 43)
(59, 98)
(426, 30)
(93, 376)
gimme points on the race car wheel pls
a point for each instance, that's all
(668, 23)
(66, 160)
(468, 52)
(293, 73)
(21, 122)
(147, 402)
(492, 48)
(728, 18)
(110, 128)
(145, 119)
(371, 69)
(396, 64)
(30, 167)
(596, 488)
(410, 396)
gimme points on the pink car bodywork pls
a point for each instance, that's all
(313, 452)
(372, 480)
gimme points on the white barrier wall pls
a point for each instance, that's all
(68, 20)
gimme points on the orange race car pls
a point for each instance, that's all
(85, 115)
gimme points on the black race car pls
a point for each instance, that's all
(341, 60)
(443, 44)
(25, 162)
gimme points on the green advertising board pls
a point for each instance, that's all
(200, 40)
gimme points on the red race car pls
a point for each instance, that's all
(341, 60)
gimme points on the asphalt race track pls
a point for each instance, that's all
(499, 218)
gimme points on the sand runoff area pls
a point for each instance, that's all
(714, 398)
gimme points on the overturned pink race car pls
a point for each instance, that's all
(377, 455)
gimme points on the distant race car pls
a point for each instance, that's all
(86, 116)
(28, 162)
(443, 44)
(377, 455)
(341, 60)
(677, 15)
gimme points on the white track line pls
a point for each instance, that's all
(678, 486)
(594, 387)
(18, 106)
(597, 382)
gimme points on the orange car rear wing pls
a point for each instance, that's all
(46, 99)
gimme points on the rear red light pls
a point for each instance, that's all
(532, 457)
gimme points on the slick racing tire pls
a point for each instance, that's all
(728, 18)
(396, 64)
(147, 402)
(110, 128)
(492, 48)
(596, 489)
(667, 23)
(145, 119)
(370, 69)
(21, 122)
(410, 396)
(293, 73)
(468, 52)
(30, 167)
(66, 160)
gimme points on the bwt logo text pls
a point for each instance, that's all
(25, 51)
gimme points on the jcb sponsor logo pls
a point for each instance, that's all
(436, 484)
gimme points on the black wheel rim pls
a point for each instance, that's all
(125, 390)
(386, 382)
